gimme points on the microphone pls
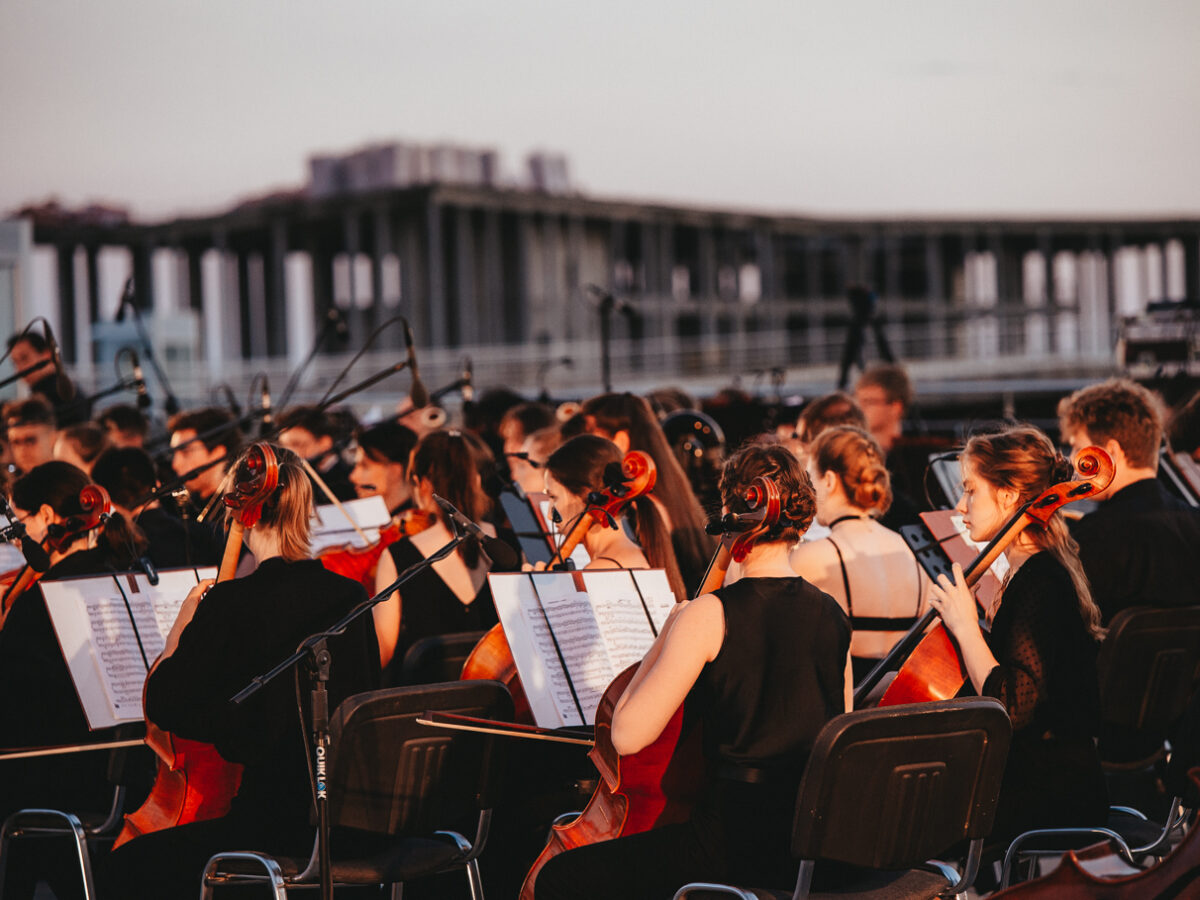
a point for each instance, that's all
(503, 557)
(34, 553)
(62, 384)
(266, 403)
(418, 393)
(139, 380)
(468, 387)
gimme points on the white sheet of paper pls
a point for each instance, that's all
(99, 640)
(331, 527)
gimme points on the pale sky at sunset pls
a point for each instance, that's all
(958, 107)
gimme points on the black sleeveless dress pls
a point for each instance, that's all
(780, 675)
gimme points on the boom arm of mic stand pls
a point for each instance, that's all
(362, 385)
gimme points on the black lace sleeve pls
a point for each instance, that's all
(1026, 639)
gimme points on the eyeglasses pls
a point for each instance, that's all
(521, 454)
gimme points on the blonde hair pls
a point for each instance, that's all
(1022, 459)
(289, 508)
(858, 462)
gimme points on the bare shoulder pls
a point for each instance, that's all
(811, 553)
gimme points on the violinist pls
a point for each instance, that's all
(1039, 657)
(575, 470)
(29, 428)
(453, 595)
(225, 635)
(38, 704)
(381, 464)
(867, 568)
(127, 473)
(203, 437)
(311, 433)
(628, 421)
(763, 660)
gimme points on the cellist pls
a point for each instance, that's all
(763, 660)
(225, 635)
(1039, 658)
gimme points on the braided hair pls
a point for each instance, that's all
(797, 498)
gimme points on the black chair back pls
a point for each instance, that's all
(390, 775)
(1148, 666)
(438, 657)
(890, 788)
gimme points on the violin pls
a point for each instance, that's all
(95, 507)
(659, 784)
(194, 782)
(492, 658)
(359, 563)
(934, 668)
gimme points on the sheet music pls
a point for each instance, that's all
(99, 636)
(332, 527)
(576, 628)
(599, 633)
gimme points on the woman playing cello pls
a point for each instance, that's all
(764, 662)
(225, 635)
(575, 470)
(1039, 658)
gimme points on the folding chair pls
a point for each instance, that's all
(398, 788)
(1147, 671)
(887, 790)
(86, 830)
(438, 657)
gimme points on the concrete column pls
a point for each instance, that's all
(573, 325)
(93, 282)
(1162, 261)
(815, 300)
(664, 312)
(143, 277)
(555, 294)
(491, 313)
(75, 346)
(194, 279)
(384, 244)
(356, 317)
(321, 267)
(465, 322)
(937, 298)
(276, 291)
(435, 275)
(706, 265)
(413, 291)
(1191, 265)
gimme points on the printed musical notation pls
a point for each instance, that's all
(569, 644)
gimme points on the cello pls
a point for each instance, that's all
(194, 782)
(659, 784)
(492, 658)
(932, 667)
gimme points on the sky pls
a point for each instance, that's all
(887, 107)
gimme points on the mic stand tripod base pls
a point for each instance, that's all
(318, 673)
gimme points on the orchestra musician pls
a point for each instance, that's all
(29, 429)
(81, 444)
(1139, 547)
(577, 469)
(381, 464)
(628, 421)
(867, 568)
(763, 660)
(1039, 657)
(203, 437)
(39, 706)
(225, 635)
(128, 474)
(28, 349)
(452, 595)
(127, 426)
(311, 433)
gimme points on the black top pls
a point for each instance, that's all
(39, 707)
(1141, 547)
(429, 607)
(66, 412)
(1046, 679)
(337, 479)
(779, 676)
(176, 543)
(241, 629)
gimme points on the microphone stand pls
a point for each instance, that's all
(331, 324)
(171, 404)
(314, 649)
(16, 376)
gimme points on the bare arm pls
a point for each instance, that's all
(692, 637)
(387, 612)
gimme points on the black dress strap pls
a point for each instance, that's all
(845, 577)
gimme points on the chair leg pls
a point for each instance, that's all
(211, 875)
(12, 827)
(474, 880)
(397, 890)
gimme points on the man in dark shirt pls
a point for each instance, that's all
(1142, 546)
(313, 435)
(30, 350)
